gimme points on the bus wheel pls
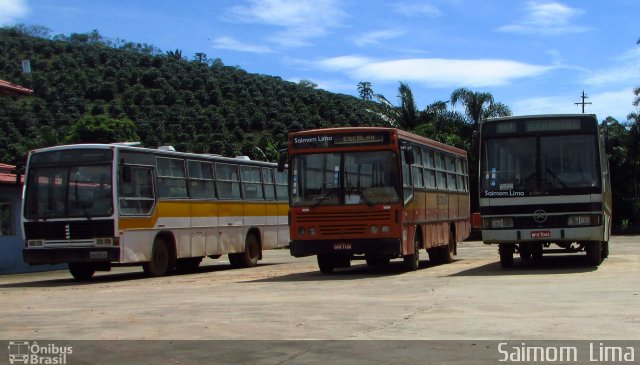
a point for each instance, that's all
(506, 254)
(412, 261)
(594, 252)
(188, 265)
(160, 263)
(326, 263)
(250, 256)
(448, 250)
(81, 271)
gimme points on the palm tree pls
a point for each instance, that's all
(478, 105)
(408, 111)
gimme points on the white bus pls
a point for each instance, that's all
(544, 179)
(98, 205)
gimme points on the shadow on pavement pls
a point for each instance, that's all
(548, 265)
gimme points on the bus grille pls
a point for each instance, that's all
(70, 230)
(344, 223)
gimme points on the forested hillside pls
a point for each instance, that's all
(88, 89)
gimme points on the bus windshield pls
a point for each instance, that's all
(346, 178)
(69, 191)
(540, 165)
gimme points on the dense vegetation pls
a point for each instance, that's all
(85, 85)
(91, 89)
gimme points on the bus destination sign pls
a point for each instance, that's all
(553, 125)
(342, 140)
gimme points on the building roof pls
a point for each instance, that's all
(7, 89)
(8, 175)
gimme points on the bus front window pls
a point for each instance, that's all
(568, 162)
(371, 178)
(540, 165)
(78, 191)
(345, 178)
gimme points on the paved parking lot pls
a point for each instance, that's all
(287, 298)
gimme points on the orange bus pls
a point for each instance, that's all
(375, 194)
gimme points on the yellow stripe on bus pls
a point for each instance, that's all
(182, 209)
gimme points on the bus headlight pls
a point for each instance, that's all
(374, 229)
(385, 229)
(584, 220)
(104, 241)
(312, 231)
(301, 231)
(501, 223)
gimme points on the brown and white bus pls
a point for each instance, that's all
(375, 194)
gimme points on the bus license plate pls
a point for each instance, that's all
(98, 254)
(341, 246)
(541, 234)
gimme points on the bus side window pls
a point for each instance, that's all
(269, 186)
(201, 184)
(282, 193)
(227, 181)
(136, 195)
(251, 186)
(172, 180)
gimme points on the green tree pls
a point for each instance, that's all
(365, 90)
(102, 129)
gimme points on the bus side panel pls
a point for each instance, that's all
(204, 229)
(174, 216)
(231, 232)
(270, 232)
(454, 208)
(255, 215)
(136, 244)
(463, 225)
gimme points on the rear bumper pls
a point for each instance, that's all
(379, 247)
(37, 256)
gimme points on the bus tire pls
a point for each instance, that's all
(506, 255)
(161, 260)
(448, 250)
(81, 271)
(326, 263)
(250, 256)
(594, 252)
(412, 261)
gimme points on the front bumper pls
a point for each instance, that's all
(552, 235)
(37, 256)
(378, 247)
